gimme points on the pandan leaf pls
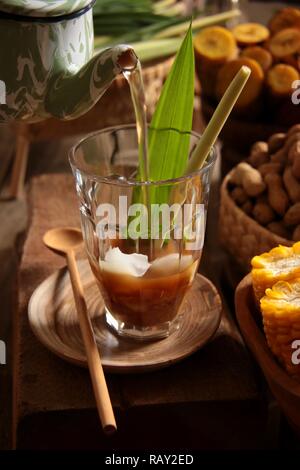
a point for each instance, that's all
(171, 124)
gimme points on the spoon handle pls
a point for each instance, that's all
(95, 367)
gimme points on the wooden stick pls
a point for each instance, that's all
(219, 118)
(16, 188)
(197, 23)
(95, 367)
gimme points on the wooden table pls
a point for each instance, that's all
(210, 400)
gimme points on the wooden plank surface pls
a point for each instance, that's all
(6, 150)
(220, 373)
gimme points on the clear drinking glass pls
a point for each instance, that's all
(143, 239)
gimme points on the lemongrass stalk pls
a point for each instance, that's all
(174, 10)
(147, 50)
(218, 120)
(155, 49)
(197, 24)
(162, 5)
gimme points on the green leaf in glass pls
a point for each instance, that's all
(171, 124)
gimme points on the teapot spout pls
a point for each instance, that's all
(73, 93)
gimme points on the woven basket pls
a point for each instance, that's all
(114, 108)
(241, 235)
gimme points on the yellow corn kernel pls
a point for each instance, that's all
(280, 264)
(280, 309)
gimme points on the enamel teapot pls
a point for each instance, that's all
(47, 65)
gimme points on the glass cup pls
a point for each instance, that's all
(143, 239)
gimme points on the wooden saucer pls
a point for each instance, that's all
(52, 317)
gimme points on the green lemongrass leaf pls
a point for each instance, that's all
(150, 50)
(198, 23)
(218, 120)
(169, 132)
(178, 9)
(115, 6)
(140, 32)
(162, 5)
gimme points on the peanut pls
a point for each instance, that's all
(263, 198)
(247, 207)
(263, 213)
(260, 146)
(292, 217)
(276, 141)
(293, 130)
(271, 167)
(296, 167)
(235, 176)
(290, 141)
(250, 179)
(259, 154)
(238, 195)
(277, 196)
(279, 157)
(296, 234)
(294, 151)
(239, 171)
(279, 229)
(291, 185)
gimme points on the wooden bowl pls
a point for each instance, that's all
(241, 235)
(285, 389)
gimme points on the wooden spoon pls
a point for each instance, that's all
(66, 240)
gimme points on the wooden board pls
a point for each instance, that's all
(53, 319)
(207, 393)
(6, 151)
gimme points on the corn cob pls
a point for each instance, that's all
(280, 264)
(281, 318)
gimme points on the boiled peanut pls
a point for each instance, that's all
(277, 196)
(239, 195)
(292, 217)
(294, 151)
(247, 207)
(262, 198)
(296, 168)
(259, 154)
(279, 157)
(248, 177)
(294, 129)
(291, 184)
(271, 167)
(290, 141)
(276, 142)
(296, 234)
(263, 213)
(257, 159)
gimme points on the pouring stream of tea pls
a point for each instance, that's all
(134, 78)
